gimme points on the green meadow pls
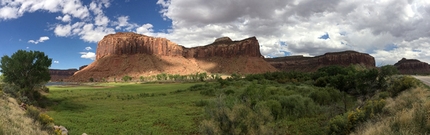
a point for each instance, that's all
(116, 108)
(333, 100)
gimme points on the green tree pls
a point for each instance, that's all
(127, 78)
(26, 69)
(142, 78)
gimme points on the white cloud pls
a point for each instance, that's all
(88, 55)
(65, 18)
(41, 39)
(367, 26)
(9, 13)
(145, 29)
(56, 61)
(88, 48)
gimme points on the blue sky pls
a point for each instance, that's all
(17, 33)
(68, 30)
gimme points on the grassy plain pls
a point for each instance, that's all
(118, 108)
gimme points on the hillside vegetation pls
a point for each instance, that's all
(13, 120)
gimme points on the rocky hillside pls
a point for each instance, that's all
(308, 64)
(412, 66)
(138, 55)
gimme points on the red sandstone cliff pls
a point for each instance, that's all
(308, 64)
(137, 55)
(412, 66)
(60, 74)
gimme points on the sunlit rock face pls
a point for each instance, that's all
(138, 55)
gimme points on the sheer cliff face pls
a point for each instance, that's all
(307, 64)
(138, 55)
(412, 66)
(132, 43)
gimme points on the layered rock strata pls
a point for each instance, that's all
(412, 66)
(309, 64)
(138, 55)
(60, 74)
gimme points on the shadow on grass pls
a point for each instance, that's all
(59, 105)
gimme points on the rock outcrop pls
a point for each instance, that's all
(61, 74)
(138, 55)
(309, 64)
(412, 66)
(132, 43)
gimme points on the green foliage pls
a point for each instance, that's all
(400, 84)
(339, 125)
(162, 76)
(44, 89)
(11, 89)
(82, 109)
(33, 113)
(1, 78)
(91, 79)
(26, 69)
(239, 119)
(141, 78)
(346, 123)
(388, 70)
(127, 78)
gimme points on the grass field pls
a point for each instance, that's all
(126, 108)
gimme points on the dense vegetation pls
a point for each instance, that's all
(27, 71)
(333, 100)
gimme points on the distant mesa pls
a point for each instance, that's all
(309, 64)
(82, 67)
(61, 74)
(138, 55)
(412, 66)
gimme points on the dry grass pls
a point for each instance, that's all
(407, 114)
(13, 120)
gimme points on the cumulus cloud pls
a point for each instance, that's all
(387, 29)
(88, 55)
(56, 62)
(65, 18)
(295, 27)
(41, 39)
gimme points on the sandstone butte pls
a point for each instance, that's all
(412, 66)
(138, 55)
(310, 64)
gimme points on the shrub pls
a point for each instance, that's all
(400, 84)
(91, 79)
(339, 125)
(126, 78)
(11, 89)
(45, 89)
(45, 119)
(298, 106)
(201, 103)
(33, 113)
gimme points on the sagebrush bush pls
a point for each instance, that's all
(33, 113)
(400, 84)
(11, 89)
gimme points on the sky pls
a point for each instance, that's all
(68, 30)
